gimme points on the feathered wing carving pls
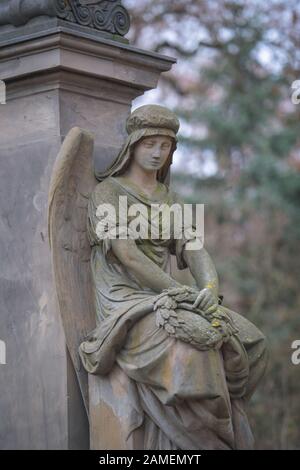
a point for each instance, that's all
(71, 184)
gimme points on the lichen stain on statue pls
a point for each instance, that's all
(186, 364)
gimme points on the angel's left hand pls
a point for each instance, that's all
(206, 301)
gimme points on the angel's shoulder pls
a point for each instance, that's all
(105, 192)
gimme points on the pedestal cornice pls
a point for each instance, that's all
(62, 48)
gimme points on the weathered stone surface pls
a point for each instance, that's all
(33, 402)
(53, 83)
(111, 406)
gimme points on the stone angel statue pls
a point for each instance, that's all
(192, 364)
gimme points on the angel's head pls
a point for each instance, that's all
(151, 141)
(151, 153)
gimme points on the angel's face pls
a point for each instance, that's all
(151, 153)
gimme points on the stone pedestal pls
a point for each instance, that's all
(57, 76)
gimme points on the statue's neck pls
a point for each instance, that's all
(145, 180)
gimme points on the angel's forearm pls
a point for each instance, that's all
(144, 269)
(202, 269)
(150, 275)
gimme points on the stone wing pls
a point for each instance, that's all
(71, 184)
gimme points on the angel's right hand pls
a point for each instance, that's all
(206, 301)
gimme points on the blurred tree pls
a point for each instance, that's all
(232, 89)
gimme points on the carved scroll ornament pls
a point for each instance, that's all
(103, 15)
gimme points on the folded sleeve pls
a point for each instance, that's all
(104, 222)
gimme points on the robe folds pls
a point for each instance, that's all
(183, 397)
